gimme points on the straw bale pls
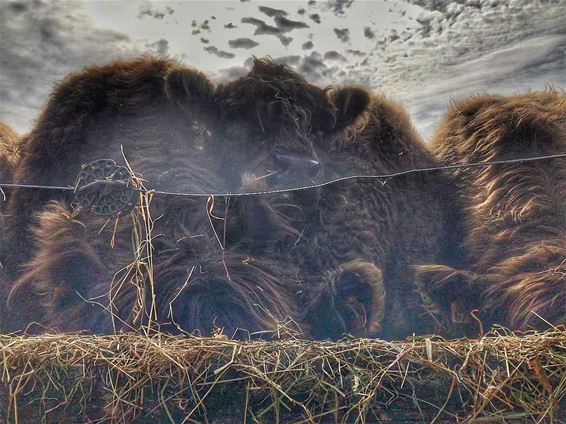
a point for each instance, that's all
(502, 377)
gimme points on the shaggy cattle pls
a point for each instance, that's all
(335, 259)
(514, 215)
(9, 156)
(379, 229)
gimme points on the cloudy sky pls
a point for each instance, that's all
(422, 53)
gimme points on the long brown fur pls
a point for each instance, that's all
(514, 215)
(227, 262)
(391, 224)
(9, 152)
(9, 157)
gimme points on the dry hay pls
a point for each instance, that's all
(501, 377)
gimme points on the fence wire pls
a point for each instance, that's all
(314, 186)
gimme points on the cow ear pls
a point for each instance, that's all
(351, 302)
(191, 90)
(451, 292)
(350, 104)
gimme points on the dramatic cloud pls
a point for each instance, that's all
(311, 66)
(40, 43)
(291, 60)
(272, 12)
(421, 55)
(285, 40)
(342, 34)
(339, 6)
(152, 13)
(358, 53)
(220, 53)
(334, 55)
(308, 45)
(243, 43)
(146, 11)
(161, 47)
(287, 25)
(368, 33)
(264, 29)
(231, 73)
(261, 27)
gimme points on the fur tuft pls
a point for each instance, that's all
(515, 215)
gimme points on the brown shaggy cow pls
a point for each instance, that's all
(380, 228)
(514, 215)
(322, 256)
(9, 157)
(165, 118)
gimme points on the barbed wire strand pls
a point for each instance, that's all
(318, 185)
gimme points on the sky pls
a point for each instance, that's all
(421, 53)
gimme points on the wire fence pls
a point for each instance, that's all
(318, 185)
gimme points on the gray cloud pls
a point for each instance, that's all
(368, 33)
(311, 66)
(285, 40)
(287, 25)
(308, 45)
(40, 43)
(264, 29)
(356, 52)
(220, 53)
(343, 34)
(339, 6)
(315, 17)
(291, 60)
(269, 11)
(161, 47)
(146, 11)
(334, 55)
(231, 73)
(261, 27)
(243, 43)
(151, 13)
